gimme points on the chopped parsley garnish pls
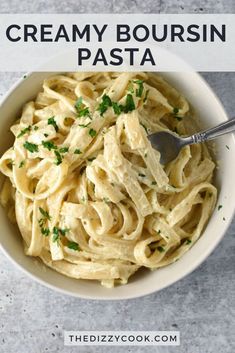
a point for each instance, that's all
(81, 109)
(73, 245)
(24, 131)
(63, 231)
(77, 151)
(146, 95)
(106, 199)
(31, 147)
(84, 125)
(142, 175)
(36, 128)
(154, 183)
(160, 249)
(63, 149)
(175, 110)
(24, 77)
(116, 108)
(219, 207)
(59, 158)
(140, 89)
(51, 121)
(188, 241)
(83, 112)
(57, 232)
(78, 103)
(224, 219)
(49, 145)
(46, 135)
(41, 222)
(21, 164)
(91, 159)
(227, 147)
(45, 231)
(92, 132)
(130, 104)
(44, 213)
(105, 104)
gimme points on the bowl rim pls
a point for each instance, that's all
(203, 256)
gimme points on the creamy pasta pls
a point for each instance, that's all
(85, 186)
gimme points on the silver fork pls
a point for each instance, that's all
(169, 144)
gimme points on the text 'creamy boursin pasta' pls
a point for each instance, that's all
(86, 188)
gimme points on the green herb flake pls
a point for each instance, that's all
(55, 234)
(77, 151)
(224, 219)
(116, 108)
(188, 241)
(24, 77)
(63, 149)
(59, 158)
(105, 104)
(44, 213)
(175, 110)
(106, 199)
(227, 147)
(49, 145)
(91, 159)
(21, 164)
(130, 104)
(46, 135)
(160, 249)
(219, 207)
(31, 147)
(73, 245)
(84, 125)
(140, 89)
(81, 109)
(154, 183)
(146, 96)
(84, 112)
(36, 128)
(92, 132)
(24, 131)
(63, 231)
(45, 231)
(142, 175)
(78, 104)
(51, 121)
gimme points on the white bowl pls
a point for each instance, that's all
(210, 113)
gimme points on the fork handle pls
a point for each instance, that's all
(210, 134)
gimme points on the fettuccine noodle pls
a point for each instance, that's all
(85, 186)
